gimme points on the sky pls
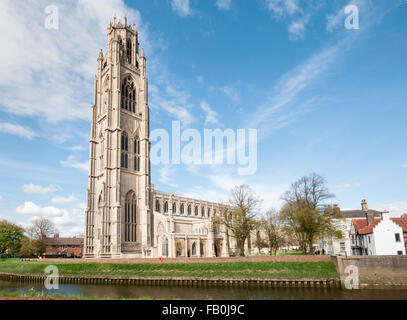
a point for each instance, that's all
(323, 98)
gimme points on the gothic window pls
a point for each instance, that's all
(201, 249)
(124, 161)
(130, 218)
(189, 210)
(128, 51)
(128, 95)
(165, 207)
(157, 206)
(203, 212)
(209, 212)
(182, 209)
(174, 208)
(196, 210)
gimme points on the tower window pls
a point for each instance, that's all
(128, 51)
(203, 212)
(165, 207)
(128, 95)
(124, 161)
(182, 209)
(196, 210)
(189, 210)
(157, 206)
(130, 218)
(174, 208)
(137, 154)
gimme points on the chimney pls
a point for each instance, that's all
(364, 205)
(385, 215)
(369, 217)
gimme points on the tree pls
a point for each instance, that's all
(33, 244)
(272, 225)
(42, 228)
(303, 212)
(10, 237)
(239, 216)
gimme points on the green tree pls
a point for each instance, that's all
(10, 237)
(304, 214)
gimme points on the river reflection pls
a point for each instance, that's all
(209, 293)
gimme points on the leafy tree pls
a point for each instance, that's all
(239, 216)
(10, 237)
(304, 215)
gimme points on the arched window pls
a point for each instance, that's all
(203, 212)
(166, 207)
(174, 208)
(181, 209)
(128, 51)
(194, 249)
(201, 249)
(130, 218)
(157, 206)
(196, 210)
(128, 95)
(189, 210)
(209, 212)
(124, 161)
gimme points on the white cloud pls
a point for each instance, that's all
(211, 116)
(49, 73)
(224, 4)
(231, 93)
(30, 208)
(1, 198)
(64, 200)
(73, 163)
(76, 148)
(298, 27)
(17, 130)
(35, 189)
(181, 7)
(167, 176)
(200, 79)
(280, 8)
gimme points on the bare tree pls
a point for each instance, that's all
(42, 228)
(239, 217)
(272, 225)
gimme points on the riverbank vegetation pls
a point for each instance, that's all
(223, 270)
(24, 295)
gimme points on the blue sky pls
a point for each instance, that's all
(323, 98)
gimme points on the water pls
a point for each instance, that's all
(209, 293)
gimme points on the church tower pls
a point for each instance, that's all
(118, 218)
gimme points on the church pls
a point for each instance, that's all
(125, 217)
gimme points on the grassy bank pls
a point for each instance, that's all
(223, 270)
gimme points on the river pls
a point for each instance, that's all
(209, 293)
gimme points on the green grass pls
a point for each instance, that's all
(33, 294)
(224, 270)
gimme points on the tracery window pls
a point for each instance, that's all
(128, 51)
(124, 161)
(128, 95)
(130, 218)
(137, 154)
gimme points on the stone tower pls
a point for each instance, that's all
(118, 218)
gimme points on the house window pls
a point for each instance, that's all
(397, 235)
(342, 245)
(400, 253)
(368, 238)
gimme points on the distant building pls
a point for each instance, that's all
(343, 246)
(378, 236)
(66, 247)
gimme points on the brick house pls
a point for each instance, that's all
(67, 247)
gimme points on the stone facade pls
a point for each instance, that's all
(125, 216)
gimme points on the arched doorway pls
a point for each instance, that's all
(216, 250)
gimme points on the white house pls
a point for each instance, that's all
(378, 236)
(343, 246)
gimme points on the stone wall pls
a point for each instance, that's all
(375, 271)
